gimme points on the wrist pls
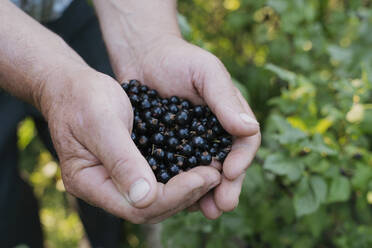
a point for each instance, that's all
(57, 86)
(131, 28)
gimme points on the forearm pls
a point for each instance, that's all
(30, 55)
(133, 26)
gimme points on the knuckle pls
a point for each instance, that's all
(119, 167)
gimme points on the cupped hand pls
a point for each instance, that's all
(174, 67)
(90, 119)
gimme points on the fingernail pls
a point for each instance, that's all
(247, 119)
(138, 190)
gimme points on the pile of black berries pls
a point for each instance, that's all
(173, 134)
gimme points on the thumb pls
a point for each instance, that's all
(221, 96)
(128, 169)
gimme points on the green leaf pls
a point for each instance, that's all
(340, 189)
(283, 166)
(282, 73)
(288, 134)
(304, 199)
(362, 175)
(319, 188)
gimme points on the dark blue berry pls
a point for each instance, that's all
(141, 127)
(185, 104)
(205, 158)
(134, 99)
(156, 112)
(125, 86)
(133, 90)
(163, 176)
(212, 120)
(198, 111)
(200, 129)
(157, 139)
(186, 149)
(192, 161)
(174, 169)
(216, 129)
(152, 162)
(174, 99)
(144, 88)
(183, 133)
(180, 161)
(225, 141)
(145, 104)
(173, 108)
(169, 156)
(213, 151)
(159, 153)
(183, 118)
(134, 83)
(172, 143)
(198, 142)
(221, 156)
(169, 119)
(143, 141)
(152, 93)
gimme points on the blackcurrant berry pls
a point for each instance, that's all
(145, 104)
(200, 129)
(133, 90)
(185, 104)
(153, 124)
(159, 153)
(134, 99)
(183, 133)
(152, 162)
(226, 141)
(221, 156)
(157, 139)
(125, 86)
(163, 176)
(174, 99)
(152, 93)
(198, 111)
(186, 150)
(180, 161)
(192, 161)
(170, 158)
(183, 118)
(156, 112)
(144, 88)
(168, 119)
(143, 141)
(173, 108)
(134, 83)
(213, 151)
(174, 169)
(205, 158)
(172, 143)
(141, 127)
(198, 142)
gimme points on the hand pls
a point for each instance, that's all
(175, 67)
(90, 120)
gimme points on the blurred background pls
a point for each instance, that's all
(306, 68)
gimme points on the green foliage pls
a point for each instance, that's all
(306, 67)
